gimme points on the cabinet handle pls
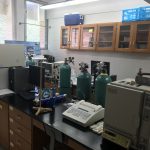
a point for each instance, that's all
(11, 120)
(1, 107)
(11, 144)
(11, 132)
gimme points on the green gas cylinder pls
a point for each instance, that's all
(100, 88)
(65, 77)
(30, 63)
(83, 83)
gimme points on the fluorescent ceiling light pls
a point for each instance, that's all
(67, 3)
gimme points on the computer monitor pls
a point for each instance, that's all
(94, 71)
(93, 67)
(35, 74)
(19, 79)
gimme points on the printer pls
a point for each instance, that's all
(127, 114)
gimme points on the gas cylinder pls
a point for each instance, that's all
(30, 61)
(100, 87)
(83, 83)
(65, 77)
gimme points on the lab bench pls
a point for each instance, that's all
(23, 130)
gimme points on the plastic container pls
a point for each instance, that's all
(129, 15)
(73, 19)
(144, 13)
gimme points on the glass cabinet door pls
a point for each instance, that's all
(74, 37)
(106, 37)
(142, 37)
(124, 37)
(88, 37)
(64, 41)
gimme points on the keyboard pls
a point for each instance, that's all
(79, 113)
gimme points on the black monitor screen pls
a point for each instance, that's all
(35, 73)
(93, 67)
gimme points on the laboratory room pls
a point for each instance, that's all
(74, 74)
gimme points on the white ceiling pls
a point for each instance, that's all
(103, 1)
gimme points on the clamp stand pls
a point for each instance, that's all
(41, 109)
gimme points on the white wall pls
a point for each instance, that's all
(122, 64)
(19, 12)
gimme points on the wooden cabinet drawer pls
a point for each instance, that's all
(4, 132)
(18, 143)
(20, 117)
(73, 144)
(20, 130)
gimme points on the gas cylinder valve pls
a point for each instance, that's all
(83, 66)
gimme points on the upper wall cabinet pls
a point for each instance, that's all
(141, 40)
(124, 37)
(70, 37)
(133, 37)
(64, 37)
(88, 37)
(74, 37)
(106, 37)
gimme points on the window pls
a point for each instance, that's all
(35, 31)
(5, 20)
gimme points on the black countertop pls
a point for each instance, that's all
(55, 120)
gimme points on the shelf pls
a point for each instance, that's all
(143, 30)
(105, 42)
(141, 41)
(124, 41)
(128, 31)
(105, 32)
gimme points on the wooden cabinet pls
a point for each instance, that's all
(133, 37)
(65, 37)
(124, 37)
(4, 133)
(19, 129)
(74, 37)
(88, 37)
(70, 37)
(106, 37)
(141, 39)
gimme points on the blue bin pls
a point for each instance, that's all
(129, 15)
(144, 13)
(73, 19)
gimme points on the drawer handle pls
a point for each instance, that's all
(11, 144)
(11, 108)
(11, 132)
(19, 130)
(1, 107)
(18, 117)
(18, 143)
(11, 120)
